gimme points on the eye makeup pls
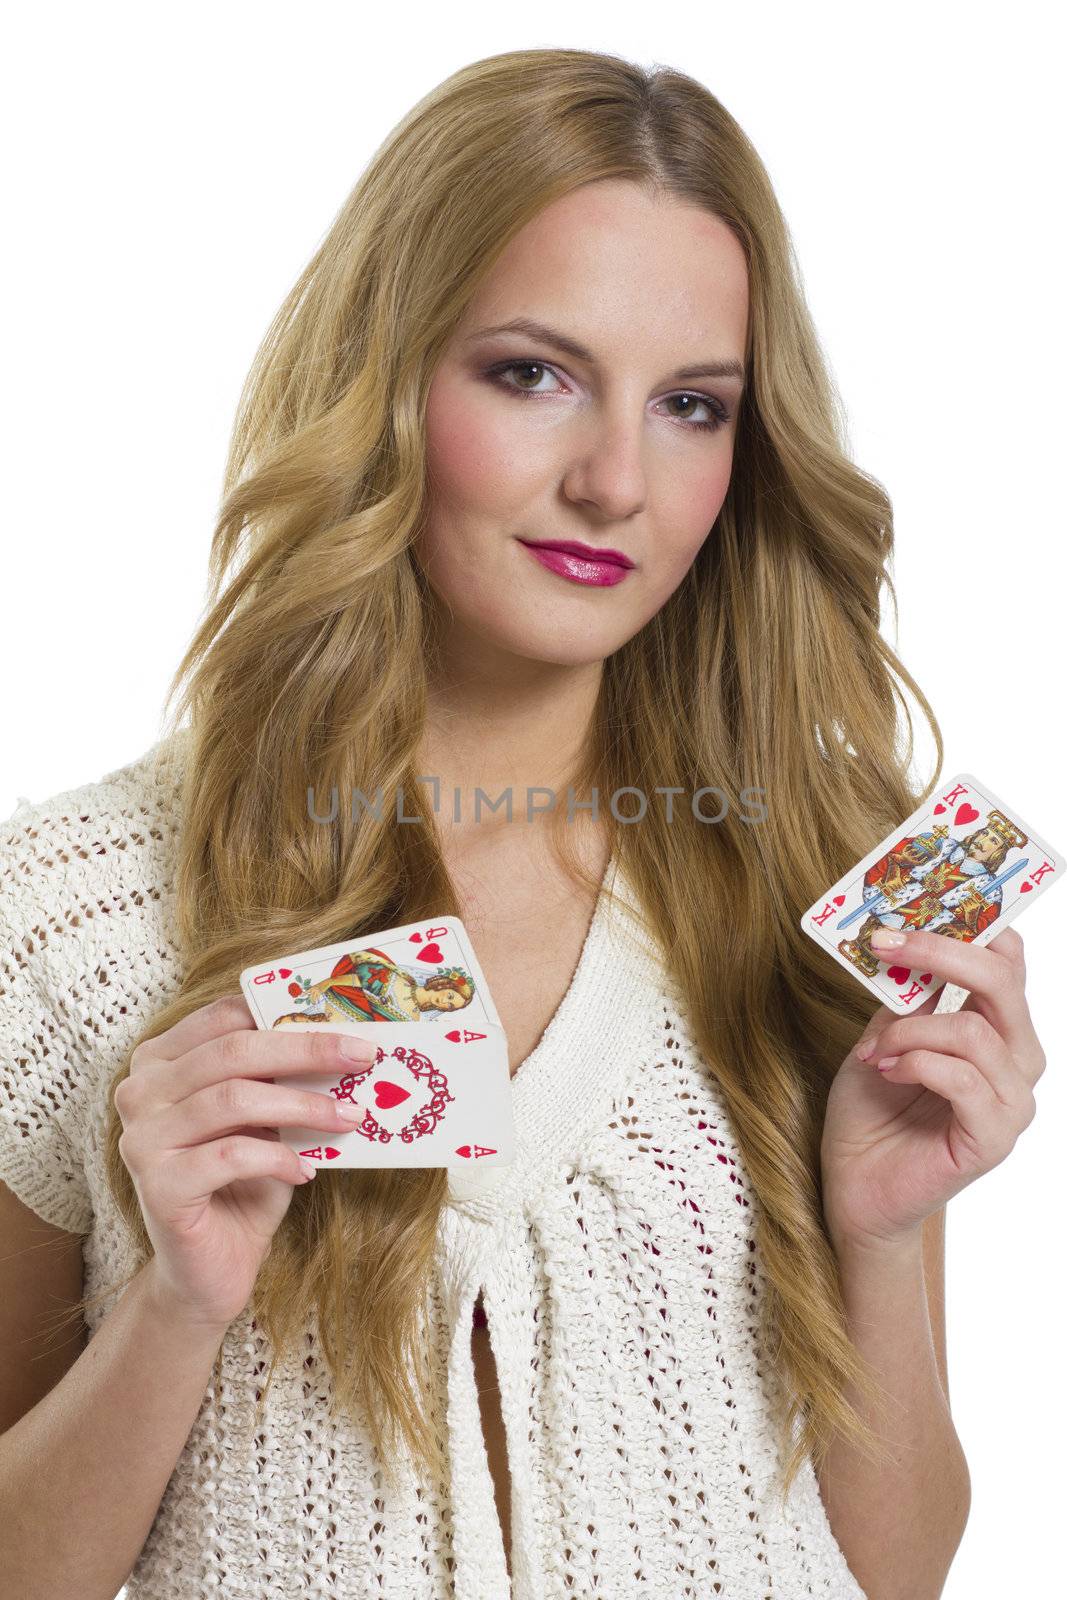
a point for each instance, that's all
(496, 374)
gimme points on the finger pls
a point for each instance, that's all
(207, 1022)
(965, 1034)
(880, 1019)
(238, 1105)
(987, 1128)
(993, 970)
(995, 975)
(187, 1177)
(1010, 1011)
(255, 1054)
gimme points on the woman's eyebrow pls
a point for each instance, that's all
(563, 341)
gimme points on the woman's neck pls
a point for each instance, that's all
(525, 733)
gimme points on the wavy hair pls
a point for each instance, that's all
(308, 671)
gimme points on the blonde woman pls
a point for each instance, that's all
(538, 487)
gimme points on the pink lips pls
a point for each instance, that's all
(580, 563)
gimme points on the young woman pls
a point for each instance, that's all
(559, 312)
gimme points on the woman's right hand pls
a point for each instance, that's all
(200, 1117)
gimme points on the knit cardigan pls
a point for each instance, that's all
(616, 1258)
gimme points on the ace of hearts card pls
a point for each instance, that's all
(964, 865)
(438, 1093)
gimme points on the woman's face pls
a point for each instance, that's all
(610, 449)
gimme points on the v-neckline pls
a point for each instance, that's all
(558, 1018)
(599, 1028)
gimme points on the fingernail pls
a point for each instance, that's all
(354, 1049)
(887, 1061)
(866, 1050)
(350, 1111)
(308, 1167)
(885, 939)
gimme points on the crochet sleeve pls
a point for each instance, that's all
(42, 1084)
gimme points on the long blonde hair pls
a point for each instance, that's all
(308, 671)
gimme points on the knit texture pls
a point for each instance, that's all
(616, 1258)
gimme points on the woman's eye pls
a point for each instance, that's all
(525, 367)
(717, 412)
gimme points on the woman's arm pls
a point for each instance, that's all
(921, 1106)
(898, 1525)
(82, 1474)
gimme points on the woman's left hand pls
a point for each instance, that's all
(898, 1144)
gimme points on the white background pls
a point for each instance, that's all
(168, 174)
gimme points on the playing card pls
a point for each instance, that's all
(421, 972)
(439, 1091)
(964, 865)
(430, 1098)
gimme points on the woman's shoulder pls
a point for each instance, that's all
(83, 855)
(86, 885)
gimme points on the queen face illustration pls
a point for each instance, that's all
(367, 986)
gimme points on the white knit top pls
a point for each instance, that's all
(616, 1259)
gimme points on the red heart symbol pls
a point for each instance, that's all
(414, 938)
(926, 977)
(432, 952)
(966, 813)
(1025, 888)
(285, 972)
(387, 1095)
(898, 974)
(839, 899)
(939, 808)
